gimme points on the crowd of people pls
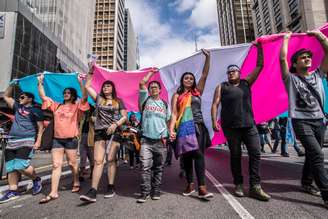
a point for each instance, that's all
(101, 130)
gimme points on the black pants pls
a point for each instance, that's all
(311, 135)
(251, 139)
(198, 158)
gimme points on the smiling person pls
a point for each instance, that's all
(238, 125)
(306, 97)
(66, 121)
(155, 116)
(110, 115)
(192, 135)
(25, 135)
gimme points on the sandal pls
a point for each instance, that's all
(75, 189)
(47, 199)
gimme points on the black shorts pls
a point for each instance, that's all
(101, 135)
(66, 143)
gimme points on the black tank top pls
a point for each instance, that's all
(236, 104)
(196, 108)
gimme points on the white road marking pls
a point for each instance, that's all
(241, 211)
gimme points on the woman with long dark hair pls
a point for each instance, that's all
(187, 126)
(110, 116)
(66, 120)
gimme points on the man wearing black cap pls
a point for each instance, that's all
(306, 98)
(238, 125)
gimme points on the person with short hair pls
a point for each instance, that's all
(25, 137)
(306, 97)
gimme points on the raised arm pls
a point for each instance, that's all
(251, 78)
(88, 87)
(174, 116)
(283, 56)
(7, 96)
(214, 109)
(83, 89)
(206, 68)
(144, 81)
(324, 43)
(42, 93)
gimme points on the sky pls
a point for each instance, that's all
(167, 29)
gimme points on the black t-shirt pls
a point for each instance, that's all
(236, 105)
(196, 108)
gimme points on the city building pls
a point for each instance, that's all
(108, 35)
(235, 21)
(274, 16)
(131, 53)
(40, 35)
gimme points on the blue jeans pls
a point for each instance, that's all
(152, 156)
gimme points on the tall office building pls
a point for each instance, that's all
(131, 52)
(108, 35)
(44, 35)
(274, 16)
(235, 21)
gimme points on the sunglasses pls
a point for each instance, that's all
(22, 97)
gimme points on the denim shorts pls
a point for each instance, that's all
(66, 143)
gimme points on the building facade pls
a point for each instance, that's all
(274, 16)
(235, 21)
(31, 43)
(108, 35)
(131, 53)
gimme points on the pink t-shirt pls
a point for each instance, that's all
(66, 117)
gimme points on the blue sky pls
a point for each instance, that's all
(166, 28)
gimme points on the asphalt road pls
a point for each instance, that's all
(280, 178)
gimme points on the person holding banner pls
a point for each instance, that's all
(192, 135)
(66, 131)
(306, 98)
(155, 116)
(110, 114)
(25, 137)
(238, 125)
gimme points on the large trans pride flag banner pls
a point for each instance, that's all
(269, 97)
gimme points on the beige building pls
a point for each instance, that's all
(108, 35)
(274, 16)
(131, 53)
(235, 21)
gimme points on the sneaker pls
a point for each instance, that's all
(285, 155)
(9, 196)
(325, 204)
(90, 196)
(258, 193)
(239, 191)
(301, 154)
(189, 190)
(37, 186)
(143, 198)
(156, 195)
(110, 192)
(203, 193)
(311, 190)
